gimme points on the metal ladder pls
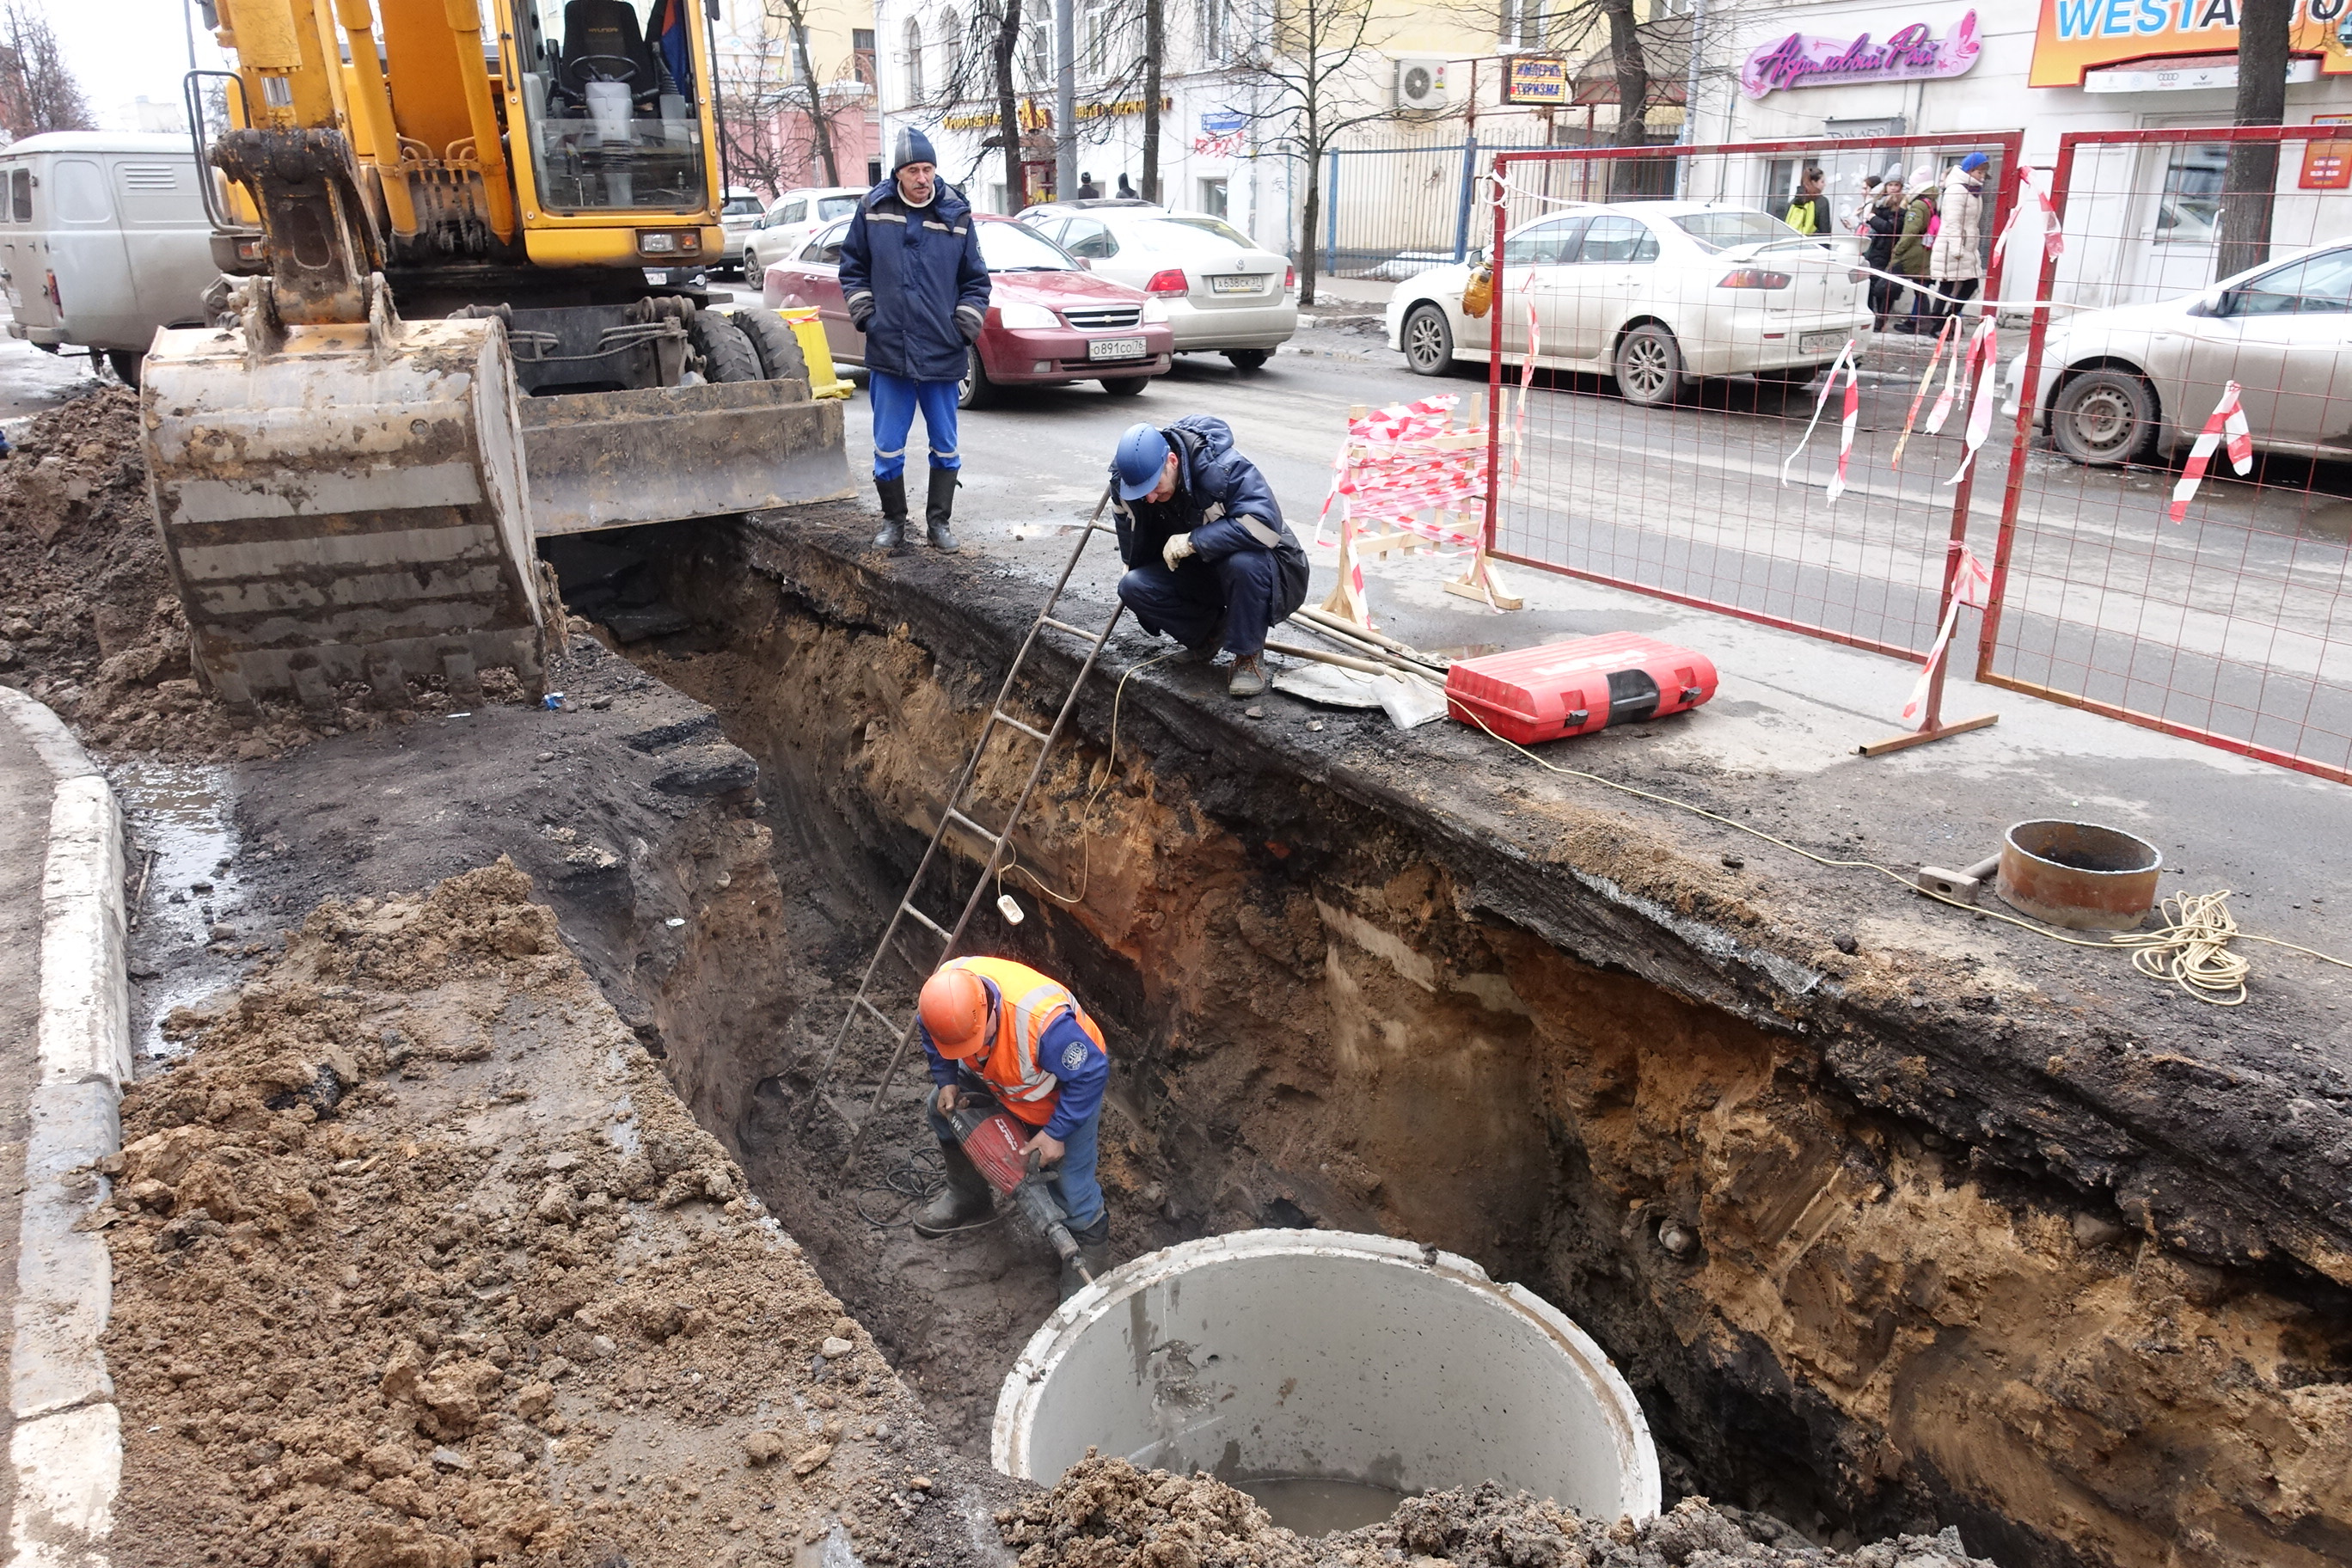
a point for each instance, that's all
(952, 817)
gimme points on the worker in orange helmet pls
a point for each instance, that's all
(994, 1029)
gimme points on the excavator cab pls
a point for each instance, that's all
(445, 346)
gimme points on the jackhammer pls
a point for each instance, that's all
(994, 1141)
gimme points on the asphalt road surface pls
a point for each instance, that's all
(2236, 620)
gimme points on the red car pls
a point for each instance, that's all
(1049, 319)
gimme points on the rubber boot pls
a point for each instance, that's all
(962, 1201)
(1248, 679)
(893, 492)
(939, 506)
(1093, 1252)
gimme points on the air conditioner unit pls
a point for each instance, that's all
(1420, 84)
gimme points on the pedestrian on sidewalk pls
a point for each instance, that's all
(1087, 190)
(1809, 212)
(997, 1030)
(1210, 562)
(1911, 247)
(1956, 260)
(913, 283)
(1126, 191)
(1881, 224)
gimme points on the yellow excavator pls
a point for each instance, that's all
(437, 339)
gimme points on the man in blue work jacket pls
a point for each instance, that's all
(913, 282)
(996, 1029)
(1210, 561)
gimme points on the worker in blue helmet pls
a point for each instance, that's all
(1210, 562)
(913, 281)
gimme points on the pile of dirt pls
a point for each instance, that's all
(89, 622)
(419, 1262)
(1106, 1513)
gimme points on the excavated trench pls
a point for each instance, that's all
(1797, 1214)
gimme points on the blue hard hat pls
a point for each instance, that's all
(1142, 454)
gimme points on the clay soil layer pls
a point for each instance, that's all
(1884, 1240)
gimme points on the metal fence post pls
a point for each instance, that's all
(1462, 214)
(1331, 216)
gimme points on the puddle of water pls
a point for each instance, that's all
(1318, 1506)
(179, 816)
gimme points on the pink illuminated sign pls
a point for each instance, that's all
(1911, 54)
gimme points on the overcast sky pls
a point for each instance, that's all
(123, 50)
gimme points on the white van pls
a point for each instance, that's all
(103, 238)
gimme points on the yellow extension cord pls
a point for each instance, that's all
(2190, 950)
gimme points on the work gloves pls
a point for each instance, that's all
(1179, 547)
(969, 320)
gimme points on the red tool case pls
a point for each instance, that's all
(1576, 687)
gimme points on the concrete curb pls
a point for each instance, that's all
(67, 1444)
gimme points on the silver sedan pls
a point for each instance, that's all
(1223, 294)
(2117, 385)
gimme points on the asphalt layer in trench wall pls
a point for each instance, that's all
(1796, 1218)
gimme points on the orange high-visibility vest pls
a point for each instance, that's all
(1026, 1005)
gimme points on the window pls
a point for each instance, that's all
(1017, 248)
(796, 43)
(1041, 55)
(20, 195)
(914, 61)
(952, 82)
(1734, 226)
(1213, 197)
(2316, 286)
(1544, 245)
(1084, 237)
(1182, 232)
(794, 212)
(825, 249)
(861, 55)
(839, 206)
(1524, 23)
(1095, 31)
(1614, 241)
(1215, 23)
(2191, 201)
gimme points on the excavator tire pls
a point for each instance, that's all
(780, 351)
(725, 352)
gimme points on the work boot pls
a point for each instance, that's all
(1093, 1252)
(938, 508)
(962, 1202)
(893, 492)
(1248, 678)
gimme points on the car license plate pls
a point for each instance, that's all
(1820, 343)
(1115, 348)
(1244, 283)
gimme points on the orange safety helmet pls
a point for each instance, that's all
(955, 1011)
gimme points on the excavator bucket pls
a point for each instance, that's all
(345, 503)
(609, 460)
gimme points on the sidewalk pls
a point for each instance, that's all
(64, 1059)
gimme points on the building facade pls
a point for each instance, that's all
(767, 107)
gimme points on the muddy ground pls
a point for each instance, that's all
(1887, 1231)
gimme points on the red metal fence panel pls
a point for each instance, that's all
(1679, 333)
(2220, 615)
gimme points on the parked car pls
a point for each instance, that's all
(784, 228)
(2117, 385)
(1224, 295)
(739, 215)
(1049, 320)
(103, 238)
(1656, 294)
(1034, 213)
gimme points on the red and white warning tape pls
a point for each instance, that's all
(1984, 364)
(1971, 585)
(1845, 361)
(2033, 205)
(2229, 417)
(1927, 379)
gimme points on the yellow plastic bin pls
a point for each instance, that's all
(806, 327)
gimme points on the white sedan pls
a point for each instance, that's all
(1657, 294)
(2116, 384)
(1222, 293)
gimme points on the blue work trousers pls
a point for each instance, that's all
(1244, 589)
(895, 400)
(1072, 1177)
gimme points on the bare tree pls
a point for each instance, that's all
(1315, 72)
(980, 70)
(1155, 37)
(803, 90)
(776, 116)
(2250, 181)
(1004, 49)
(38, 93)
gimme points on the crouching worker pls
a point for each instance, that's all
(1209, 560)
(997, 1030)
